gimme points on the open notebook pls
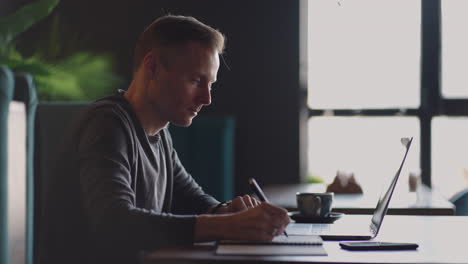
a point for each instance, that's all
(280, 245)
(279, 240)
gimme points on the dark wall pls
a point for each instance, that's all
(261, 87)
(8, 6)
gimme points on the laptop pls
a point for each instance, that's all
(354, 231)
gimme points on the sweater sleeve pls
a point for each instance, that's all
(108, 199)
(189, 197)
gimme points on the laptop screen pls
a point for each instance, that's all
(384, 200)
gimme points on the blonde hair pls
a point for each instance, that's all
(171, 31)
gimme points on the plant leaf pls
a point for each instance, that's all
(94, 73)
(22, 19)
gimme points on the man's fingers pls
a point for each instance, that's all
(282, 228)
(238, 204)
(254, 201)
(279, 217)
(241, 203)
(268, 231)
(248, 201)
(261, 223)
(273, 209)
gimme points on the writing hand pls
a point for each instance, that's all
(242, 203)
(260, 223)
(239, 204)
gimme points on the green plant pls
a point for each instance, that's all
(314, 179)
(80, 76)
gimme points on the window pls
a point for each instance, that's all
(380, 70)
(454, 49)
(367, 146)
(363, 76)
(450, 126)
(361, 57)
(450, 153)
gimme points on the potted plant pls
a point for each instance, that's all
(61, 79)
(76, 76)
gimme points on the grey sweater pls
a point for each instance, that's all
(117, 191)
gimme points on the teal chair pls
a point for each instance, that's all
(25, 92)
(460, 200)
(51, 122)
(206, 148)
(6, 95)
(16, 167)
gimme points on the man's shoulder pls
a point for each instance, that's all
(114, 106)
(103, 116)
(109, 103)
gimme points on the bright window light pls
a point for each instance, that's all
(454, 49)
(364, 53)
(367, 146)
(450, 154)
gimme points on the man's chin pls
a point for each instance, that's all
(182, 123)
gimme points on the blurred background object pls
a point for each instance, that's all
(344, 182)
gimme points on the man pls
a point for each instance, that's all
(120, 187)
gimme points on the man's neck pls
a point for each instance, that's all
(143, 111)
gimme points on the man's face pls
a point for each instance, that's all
(181, 88)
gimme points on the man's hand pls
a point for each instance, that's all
(243, 203)
(259, 223)
(238, 204)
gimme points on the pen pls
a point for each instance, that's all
(258, 191)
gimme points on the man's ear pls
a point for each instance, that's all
(150, 65)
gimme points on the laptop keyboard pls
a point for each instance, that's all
(307, 229)
(319, 228)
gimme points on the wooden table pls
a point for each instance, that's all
(441, 239)
(424, 202)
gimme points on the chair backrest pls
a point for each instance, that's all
(460, 200)
(6, 95)
(25, 91)
(206, 148)
(52, 120)
(18, 102)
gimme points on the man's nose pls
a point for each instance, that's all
(205, 96)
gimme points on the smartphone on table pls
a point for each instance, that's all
(374, 245)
